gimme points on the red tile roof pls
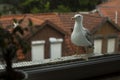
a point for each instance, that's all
(62, 20)
(109, 9)
(112, 3)
(7, 20)
(90, 21)
(52, 17)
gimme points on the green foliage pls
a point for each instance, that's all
(62, 8)
(35, 6)
(39, 6)
(34, 10)
(47, 6)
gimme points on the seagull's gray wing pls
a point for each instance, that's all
(89, 37)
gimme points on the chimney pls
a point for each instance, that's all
(116, 17)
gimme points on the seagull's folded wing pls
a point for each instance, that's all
(89, 37)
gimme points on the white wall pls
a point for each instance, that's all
(55, 48)
(38, 50)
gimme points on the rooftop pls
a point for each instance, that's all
(62, 21)
(110, 9)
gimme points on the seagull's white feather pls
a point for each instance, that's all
(80, 35)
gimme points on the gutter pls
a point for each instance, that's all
(80, 69)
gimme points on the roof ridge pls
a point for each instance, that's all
(29, 14)
(48, 13)
(96, 16)
(33, 16)
(13, 15)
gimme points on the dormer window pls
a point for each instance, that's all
(111, 45)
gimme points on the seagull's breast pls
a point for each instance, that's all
(78, 37)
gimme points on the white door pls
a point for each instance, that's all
(98, 47)
(37, 51)
(111, 45)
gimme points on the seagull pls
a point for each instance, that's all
(81, 36)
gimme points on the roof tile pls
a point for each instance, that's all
(109, 9)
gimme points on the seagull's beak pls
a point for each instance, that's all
(72, 18)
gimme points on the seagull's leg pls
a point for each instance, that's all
(77, 51)
(86, 50)
(86, 54)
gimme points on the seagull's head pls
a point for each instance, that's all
(78, 17)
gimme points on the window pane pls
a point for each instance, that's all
(111, 45)
(98, 47)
